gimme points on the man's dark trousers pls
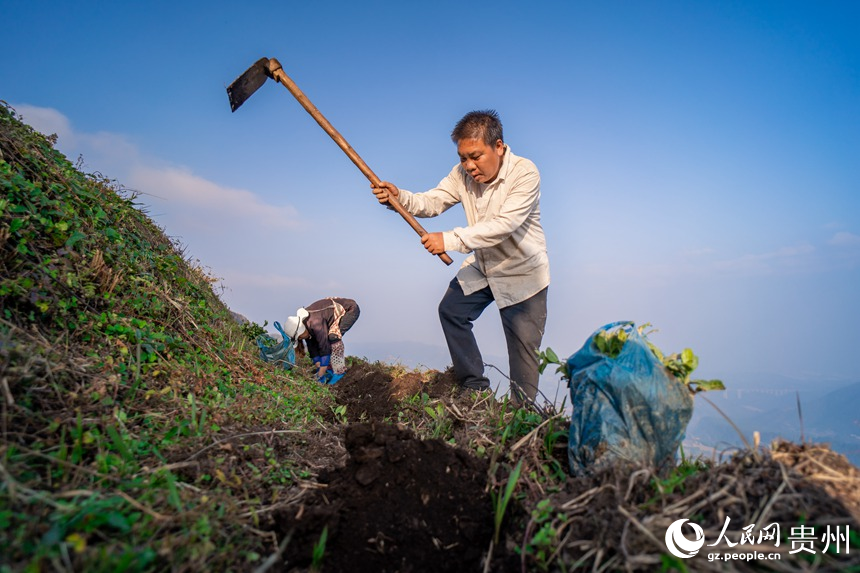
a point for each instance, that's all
(523, 324)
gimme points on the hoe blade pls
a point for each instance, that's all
(245, 85)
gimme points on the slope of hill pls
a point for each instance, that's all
(141, 432)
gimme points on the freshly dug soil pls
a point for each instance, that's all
(391, 502)
(370, 393)
(399, 504)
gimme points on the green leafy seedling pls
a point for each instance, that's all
(548, 357)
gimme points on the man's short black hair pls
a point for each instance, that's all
(483, 124)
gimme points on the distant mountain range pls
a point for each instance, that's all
(778, 407)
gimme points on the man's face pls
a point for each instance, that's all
(480, 160)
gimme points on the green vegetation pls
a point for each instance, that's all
(611, 342)
(141, 431)
(121, 370)
(319, 551)
(543, 535)
(500, 501)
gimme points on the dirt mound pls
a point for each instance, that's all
(612, 519)
(371, 392)
(399, 504)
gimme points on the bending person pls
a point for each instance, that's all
(321, 326)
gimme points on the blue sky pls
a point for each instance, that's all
(700, 161)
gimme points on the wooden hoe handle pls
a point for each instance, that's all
(278, 74)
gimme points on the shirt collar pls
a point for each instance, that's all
(505, 166)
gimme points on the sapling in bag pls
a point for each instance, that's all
(627, 407)
(279, 353)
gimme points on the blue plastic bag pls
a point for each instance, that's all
(627, 409)
(281, 354)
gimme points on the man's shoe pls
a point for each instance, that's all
(476, 386)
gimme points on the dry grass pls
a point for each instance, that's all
(141, 432)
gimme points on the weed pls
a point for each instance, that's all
(542, 535)
(319, 551)
(676, 478)
(251, 330)
(670, 563)
(340, 413)
(441, 425)
(500, 502)
(547, 357)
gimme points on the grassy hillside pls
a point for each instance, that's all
(117, 359)
(141, 432)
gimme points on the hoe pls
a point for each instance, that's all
(244, 87)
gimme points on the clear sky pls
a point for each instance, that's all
(700, 161)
